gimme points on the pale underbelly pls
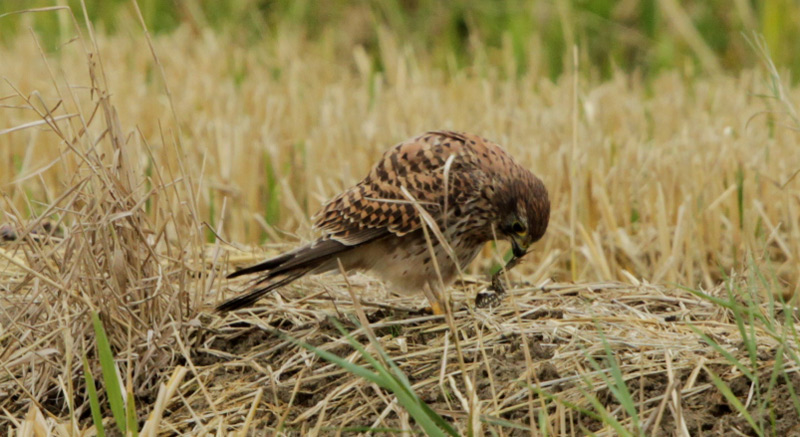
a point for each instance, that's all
(407, 268)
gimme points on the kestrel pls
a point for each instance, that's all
(421, 215)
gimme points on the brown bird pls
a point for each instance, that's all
(430, 203)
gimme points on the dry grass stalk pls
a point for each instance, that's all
(267, 141)
(107, 252)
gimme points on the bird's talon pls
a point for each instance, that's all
(436, 309)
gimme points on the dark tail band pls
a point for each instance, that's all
(285, 268)
(249, 298)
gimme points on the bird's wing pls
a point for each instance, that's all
(377, 206)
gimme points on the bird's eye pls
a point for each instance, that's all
(517, 228)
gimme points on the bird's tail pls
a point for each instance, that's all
(251, 297)
(317, 257)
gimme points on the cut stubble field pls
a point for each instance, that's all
(661, 298)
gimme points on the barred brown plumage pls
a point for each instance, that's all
(470, 188)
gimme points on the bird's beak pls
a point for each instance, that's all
(519, 245)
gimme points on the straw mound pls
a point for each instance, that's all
(549, 337)
(541, 336)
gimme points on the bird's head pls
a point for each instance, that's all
(524, 211)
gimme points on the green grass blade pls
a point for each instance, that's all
(110, 378)
(739, 318)
(604, 416)
(795, 398)
(412, 405)
(619, 388)
(543, 422)
(133, 425)
(740, 194)
(728, 356)
(503, 422)
(431, 423)
(405, 400)
(734, 401)
(437, 419)
(567, 404)
(393, 373)
(777, 370)
(713, 299)
(94, 401)
(601, 415)
(400, 379)
(363, 429)
(339, 361)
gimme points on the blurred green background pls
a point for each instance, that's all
(644, 36)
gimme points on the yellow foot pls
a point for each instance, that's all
(437, 309)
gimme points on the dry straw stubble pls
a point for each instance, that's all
(673, 180)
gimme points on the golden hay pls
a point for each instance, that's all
(671, 180)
